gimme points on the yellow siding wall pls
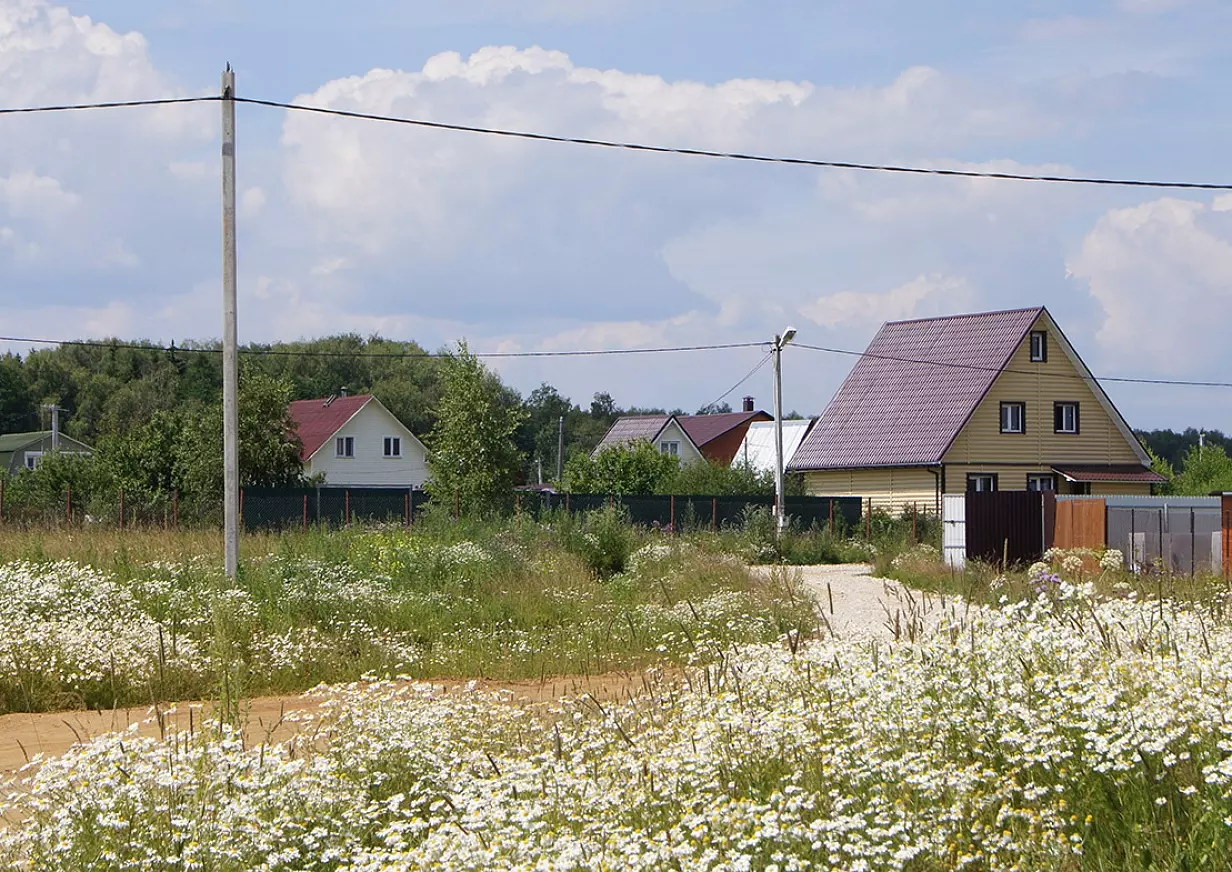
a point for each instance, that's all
(1120, 489)
(892, 489)
(1039, 385)
(1008, 477)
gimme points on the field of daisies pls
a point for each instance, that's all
(1070, 722)
(109, 628)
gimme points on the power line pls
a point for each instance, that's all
(752, 372)
(971, 366)
(634, 146)
(599, 352)
(289, 352)
(116, 104)
(732, 155)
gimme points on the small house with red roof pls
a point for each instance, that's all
(691, 438)
(357, 442)
(983, 402)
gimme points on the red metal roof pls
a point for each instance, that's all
(703, 429)
(913, 390)
(316, 421)
(1121, 473)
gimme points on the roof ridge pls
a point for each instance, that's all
(964, 315)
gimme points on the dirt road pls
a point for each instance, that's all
(856, 605)
(22, 736)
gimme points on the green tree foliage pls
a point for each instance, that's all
(715, 479)
(268, 447)
(17, 408)
(473, 453)
(1205, 471)
(1174, 447)
(639, 468)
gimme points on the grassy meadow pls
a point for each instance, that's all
(1072, 717)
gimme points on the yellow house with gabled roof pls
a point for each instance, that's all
(989, 401)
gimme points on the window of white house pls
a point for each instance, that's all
(672, 448)
(1013, 417)
(344, 446)
(34, 459)
(1065, 417)
(393, 446)
(1039, 346)
(1042, 483)
(981, 482)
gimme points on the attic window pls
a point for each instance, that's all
(393, 446)
(670, 448)
(1039, 346)
(344, 446)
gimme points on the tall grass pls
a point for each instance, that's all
(99, 619)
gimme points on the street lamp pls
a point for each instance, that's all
(780, 342)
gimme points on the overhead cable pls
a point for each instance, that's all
(971, 366)
(291, 352)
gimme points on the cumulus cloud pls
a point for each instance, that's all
(1161, 272)
(923, 297)
(84, 193)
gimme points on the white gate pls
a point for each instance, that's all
(954, 529)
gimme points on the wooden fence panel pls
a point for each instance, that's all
(1081, 524)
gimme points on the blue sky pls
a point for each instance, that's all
(109, 221)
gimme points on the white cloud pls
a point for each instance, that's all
(27, 194)
(1162, 273)
(923, 297)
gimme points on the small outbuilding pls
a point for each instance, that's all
(22, 451)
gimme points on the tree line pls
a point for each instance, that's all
(154, 415)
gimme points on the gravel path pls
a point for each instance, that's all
(857, 605)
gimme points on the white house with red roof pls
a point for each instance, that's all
(357, 442)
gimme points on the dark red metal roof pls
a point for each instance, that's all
(706, 428)
(1120, 473)
(317, 421)
(913, 390)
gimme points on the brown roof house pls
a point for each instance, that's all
(354, 441)
(992, 401)
(715, 438)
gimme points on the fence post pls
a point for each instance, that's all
(1193, 551)
(673, 518)
(241, 505)
(408, 508)
(121, 509)
(1, 501)
(348, 507)
(305, 513)
(714, 514)
(831, 516)
(915, 523)
(868, 524)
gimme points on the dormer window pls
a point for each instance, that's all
(1039, 346)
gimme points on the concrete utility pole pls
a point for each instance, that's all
(560, 452)
(230, 357)
(780, 342)
(55, 424)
